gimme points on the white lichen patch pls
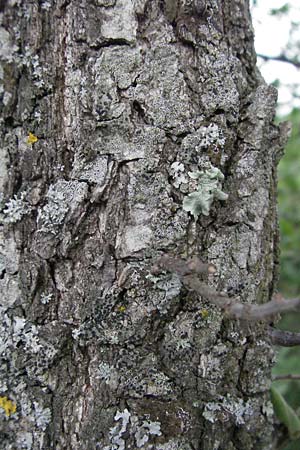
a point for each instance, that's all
(209, 183)
(42, 416)
(16, 208)
(204, 138)
(174, 444)
(121, 149)
(92, 172)
(159, 385)
(39, 70)
(145, 430)
(120, 22)
(116, 65)
(133, 239)
(45, 298)
(9, 254)
(3, 167)
(108, 374)
(64, 197)
(118, 443)
(7, 49)
(211, 136)
(104, 371)
(177, 172)
(141, 429)
(228, 409)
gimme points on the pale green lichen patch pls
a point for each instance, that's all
(209, 188)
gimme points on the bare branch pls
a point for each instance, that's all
(284, 338)
(286, 377)
(188, 273)
(182, 267)
(280, 58)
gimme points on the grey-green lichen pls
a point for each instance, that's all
(209, 188)
(128, 423)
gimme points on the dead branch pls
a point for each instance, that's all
(188, 272)
(284, 338)
(280, 58)
(286, 377)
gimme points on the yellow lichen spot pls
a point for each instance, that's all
(122, 308)
(204, 313)
(31, 138)
(8, 406)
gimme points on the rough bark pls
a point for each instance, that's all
(96, 352)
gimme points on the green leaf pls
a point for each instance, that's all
(285, 414)
(284, 9)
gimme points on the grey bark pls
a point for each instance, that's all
(126, 98)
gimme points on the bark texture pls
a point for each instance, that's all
(126, 98)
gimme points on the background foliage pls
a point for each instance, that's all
(277, 66)
(288, 359)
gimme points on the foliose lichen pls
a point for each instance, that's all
(45, 298)
(16, 208)
(209, 188)
(128, 424)
(177, 172)
(228, 408)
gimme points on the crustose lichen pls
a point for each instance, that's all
(209, 188)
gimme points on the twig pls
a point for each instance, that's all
(286, 377)
(188, 271)
(280, 58)
(284, 338)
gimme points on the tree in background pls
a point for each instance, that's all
(132, 129)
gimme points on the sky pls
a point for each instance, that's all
(271, 37)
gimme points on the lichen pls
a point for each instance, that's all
(104, 371)
(42, 416)
(8, 406)
(228, 409)
(7, 49)
(211, 136)
(45, 298)
(130, 425)
(16, 208)
(209, 188)
(177, 172)
(92, 172)
(63, 198)
(144, 431)
(32, 138)
(118, 442)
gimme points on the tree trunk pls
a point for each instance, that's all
(129, 103)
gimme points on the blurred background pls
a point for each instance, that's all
(277, 42)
